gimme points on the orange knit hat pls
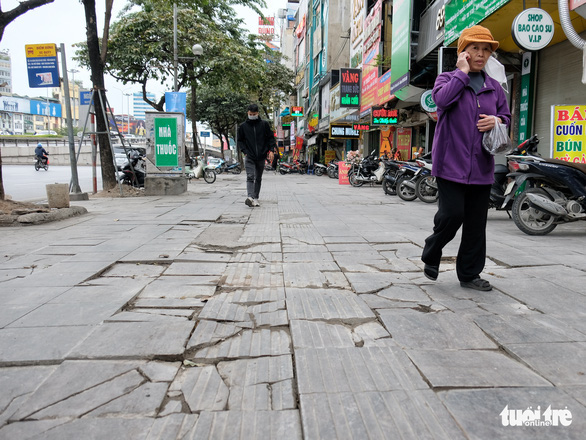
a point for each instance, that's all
(476, 34)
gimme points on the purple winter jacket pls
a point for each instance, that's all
(457, 152)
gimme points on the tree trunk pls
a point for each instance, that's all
(2, 195)
(194, 117)
(97, 75)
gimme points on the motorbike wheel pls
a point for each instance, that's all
(426, 189)
(46, 167)
(282, 171)
(389, 188)
(403, 191)
(319, 171)
(37, 167)
(236, 170)
(219, 170)
(209, 176)
(352, 178)
(531, 220)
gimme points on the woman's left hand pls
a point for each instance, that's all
(487, 122)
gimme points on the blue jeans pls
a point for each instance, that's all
(254, 170)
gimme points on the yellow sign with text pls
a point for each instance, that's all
(569, 133)
(41, 50)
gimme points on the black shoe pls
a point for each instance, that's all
(477, 284)
(249, 201)
(431, 272)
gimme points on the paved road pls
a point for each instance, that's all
(195, 316)
(23, 183)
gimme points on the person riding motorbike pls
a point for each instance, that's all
(41, 153)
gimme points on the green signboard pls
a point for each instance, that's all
(526, 101)
(461, 14)
(401, 46)
(166, 151)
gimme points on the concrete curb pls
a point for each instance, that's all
(36, 218)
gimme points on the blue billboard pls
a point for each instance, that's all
(42, 65)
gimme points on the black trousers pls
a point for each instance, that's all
(465, 206)
(254, 170)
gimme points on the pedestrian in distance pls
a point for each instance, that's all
(41, 153)
(468, 101)
(256, 140)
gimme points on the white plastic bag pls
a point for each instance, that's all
(496, 141)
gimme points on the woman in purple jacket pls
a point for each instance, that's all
(469, 102)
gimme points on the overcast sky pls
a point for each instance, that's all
(63, 21)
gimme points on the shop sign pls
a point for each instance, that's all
(166, 141)
(361, 127)
(568, 133)
(404, 142)
(461, 14)
(297, 112)
(526, 101)
(382, 116)
(329, 155)
(286, 121)
(350, 82)
(532, 29)
(401, 46)
(427, 102)
(343, 132)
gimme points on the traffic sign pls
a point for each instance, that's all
(85, 97)
(42, 65)
(205, 134)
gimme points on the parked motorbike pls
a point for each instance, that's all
(426, 186)
(296, 167)
(407, 181)
(233, 168)
(365, 170)
(319, 169)
(332, 169)
(134, 172)
(547, 192)
(392, 172)
(201, 170)
(42, 162)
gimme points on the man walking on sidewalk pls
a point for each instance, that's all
(256, 140)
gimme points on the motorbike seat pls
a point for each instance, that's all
(579, 166)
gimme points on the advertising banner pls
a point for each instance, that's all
(356, 32)
(350, 86)
(568, 134)
(45, 108)
(42, 65)
(401, 46)
(404, 142)
(461, 14)
(15, 105)
(166, 141)
(386, 142)
(329, 155)
(343, 169)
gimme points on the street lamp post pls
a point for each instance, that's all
(128, 112)
(75, 95)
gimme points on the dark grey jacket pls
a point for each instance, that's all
(255, 139)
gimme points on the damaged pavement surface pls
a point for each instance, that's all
(195, 316)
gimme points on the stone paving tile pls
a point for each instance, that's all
(514, 329)
(473, 368)
(73, 378)
(323, 274)
(267, 370)
(311, 257)
(247, 344)
(370, 333)
(577, 392)
(478, 412)
(210, 332)
(21, 346)
(134, 340)
(250, 275)
(170, 287)
(133, 270)
(228, 425)
(374, 282)
(174, 426)
(222, 308)
(57, 315)
(327, 304)
(304, 248)
(10, 313)
(203, 389)
(201, 268)
(377, 415)
(257, 257)
(141, 316)
(98, 294)
(250, 398)
(94, 428)
(315, 334)
(562, 363)
(404, 292)
(434, 331)
(194, 254)
(336, 370)
(170, 303)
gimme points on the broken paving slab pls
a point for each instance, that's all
(374, 282)
(174, 426)
(247, 344)
(562, 363)
(10, 313)
(257, 257)
(515, 329)
(316, 334)
(199, 268)
(177, 287)
(134, 270)
(195, 254)
(220, 236)
(230, 425)
(267, 369)
(68, 314)
(31, 346)
(149, 315)
(307, 257)
(210, 332)
(202, 388)
(99, 294)
(480, 412)
(435, 331)
(327, 305)
(318, 275)
(405, 293)
(336, 370)
(253, 275)
(221, 308)
(135, 340)
(377, 415)
(169, 303)
(250, 398)
(72, 378)
(143, 401)
(255, 296)
(473, 369)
